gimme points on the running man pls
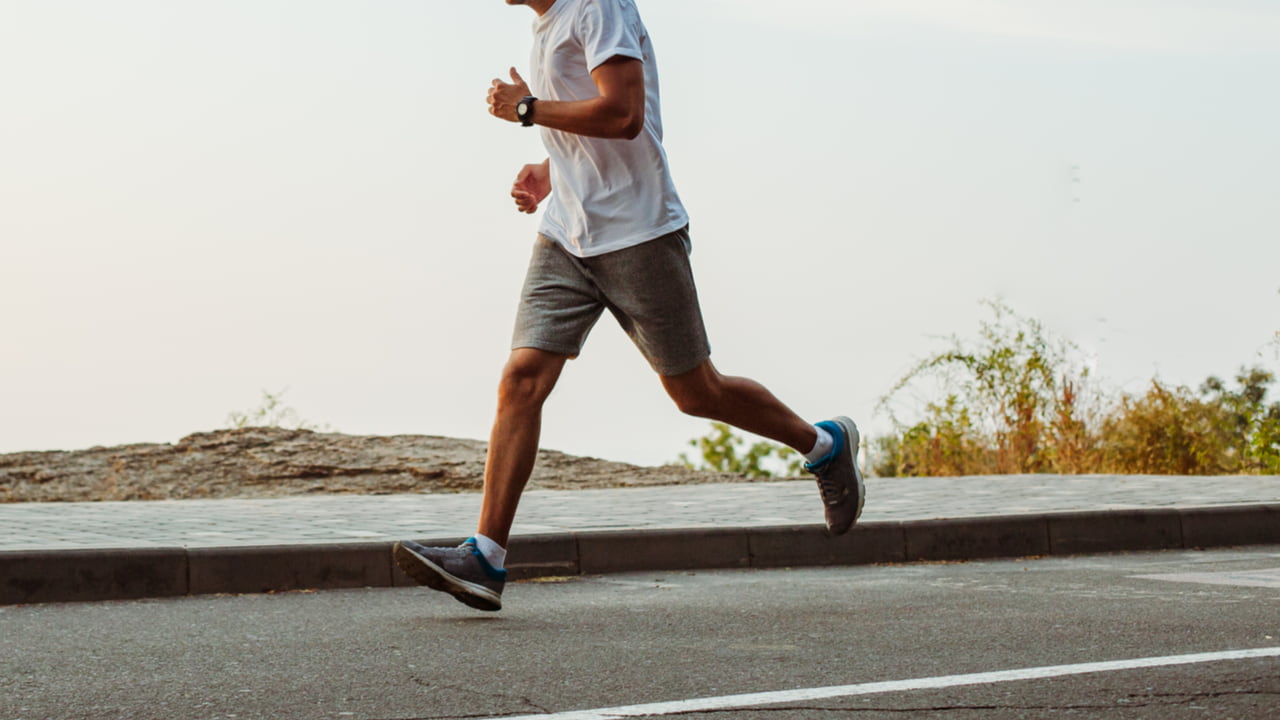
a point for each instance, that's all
(614, 236)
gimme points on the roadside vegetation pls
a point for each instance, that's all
(1017, 399)
(722, 450)
(272, 412)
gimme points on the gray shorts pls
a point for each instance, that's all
(648, 288)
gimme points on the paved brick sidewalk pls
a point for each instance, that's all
(333, 519)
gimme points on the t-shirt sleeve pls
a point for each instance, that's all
(607, 30)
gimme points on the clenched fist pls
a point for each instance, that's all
(504, 97)
(532, 186)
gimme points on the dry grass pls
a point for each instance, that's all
(1018, 400)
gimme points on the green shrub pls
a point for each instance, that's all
(720, 450)
(272, 412)
(1253, 425)
(944, 443)
(1013, 404)
(1175, 431)
(1166, 431)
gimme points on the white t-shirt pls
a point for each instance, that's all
(606, 194)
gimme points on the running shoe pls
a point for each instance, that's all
(839, 479)
(463, 572)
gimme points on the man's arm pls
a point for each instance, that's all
(616, 113)
(532, 186)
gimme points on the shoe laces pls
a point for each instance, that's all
(831, 491)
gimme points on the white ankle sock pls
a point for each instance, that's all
(492, 551)
(823, 445)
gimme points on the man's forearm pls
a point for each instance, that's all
(618, 112)
(597, 117)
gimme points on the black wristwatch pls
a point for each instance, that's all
(524, 110)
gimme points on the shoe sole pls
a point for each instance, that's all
(855, 441)
(425, 572)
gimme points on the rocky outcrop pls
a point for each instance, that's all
(275, 462)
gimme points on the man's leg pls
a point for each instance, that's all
(651, 292)
(741, 402)
(747, 405)
(470, 572)
(526, 382)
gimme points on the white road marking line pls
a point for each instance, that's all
(1246, 578)
(726, 702)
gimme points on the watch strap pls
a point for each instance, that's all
(525, 110)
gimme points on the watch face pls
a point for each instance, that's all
(522, 109)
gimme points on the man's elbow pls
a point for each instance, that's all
(625, 122)
(626, 125)
(632, 128)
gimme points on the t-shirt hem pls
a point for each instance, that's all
(614, 245)
(592, 65)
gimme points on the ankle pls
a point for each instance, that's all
(494, 553)
(822, 445)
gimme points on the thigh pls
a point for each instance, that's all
(558, 305)
(650, 289)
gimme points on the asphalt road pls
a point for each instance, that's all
(624, 640)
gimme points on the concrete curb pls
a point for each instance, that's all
(94, 575)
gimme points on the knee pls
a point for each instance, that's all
(525, 383)
(699, 399)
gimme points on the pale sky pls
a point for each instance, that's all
(200, 201)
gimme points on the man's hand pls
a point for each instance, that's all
(532, 186)
(504, 97)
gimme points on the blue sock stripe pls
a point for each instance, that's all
(837, 437)
(491, 571)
